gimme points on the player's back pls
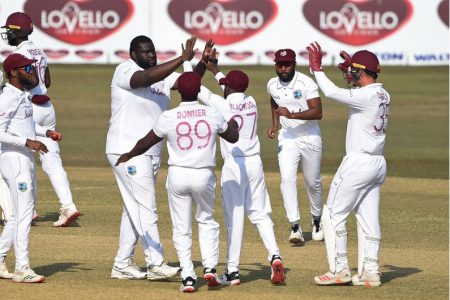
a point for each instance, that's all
(243, 110)
(190, 129)
(31, 51)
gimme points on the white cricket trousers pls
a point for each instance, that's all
(136, 181)
(44, 115)
(356, 185)
(244, 192)
(306, 150)
(187, 187)
(18, 170)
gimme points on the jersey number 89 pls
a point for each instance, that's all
(202, 132)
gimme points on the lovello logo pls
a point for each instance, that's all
(358, 22)
(229, 21)
(443, 11)
(79, 21)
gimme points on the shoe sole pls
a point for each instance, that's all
(42, 280)
(6, 277)
(367, 284)
(187, 289)
(278, 273)
(212, 280)
(160, 277)
(69, 220)
(124, 277)
(341, 281)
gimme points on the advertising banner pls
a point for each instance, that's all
(400, 32)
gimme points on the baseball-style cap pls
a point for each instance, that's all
(20, 21)
(366, 60)
(284, 55)
(15, 61)
(235, 79)
(189, 85)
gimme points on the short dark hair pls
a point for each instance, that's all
(371, 74)
(140, 39)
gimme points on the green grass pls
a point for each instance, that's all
(414, 256)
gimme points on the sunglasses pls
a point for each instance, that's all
(27, 69)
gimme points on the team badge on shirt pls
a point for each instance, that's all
(297, 94)
(131, 170)
(22, 186)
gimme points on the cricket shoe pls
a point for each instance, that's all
(27, 275)
(367, 280)
(66, 216)
(188, 285)
(277, 277)
(210, 275)
(316, 232)
(132, 271)
(4, 273)
(340, 278)
(296, 236)
(163, 271)
(230, 278)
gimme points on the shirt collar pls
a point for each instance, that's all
(14, 89)
(289, 85)
(186, 103)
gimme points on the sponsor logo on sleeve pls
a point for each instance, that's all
(229, 21)
(357, 22)
(79, 21)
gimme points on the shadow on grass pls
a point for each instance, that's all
(52, 217)
(51, 269)
(397, 272)
(258, 272)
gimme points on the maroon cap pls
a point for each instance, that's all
(189, 85)
(366, 60)
(19, 21)
(235, 79)
(15, 61)
(284, 55)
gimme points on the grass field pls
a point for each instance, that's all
(414, 256)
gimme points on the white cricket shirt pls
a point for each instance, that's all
(16, 119)
(294, 95)
(134, 112)
(367, 117)
(243, 110)
(191, 130)
(29, 50)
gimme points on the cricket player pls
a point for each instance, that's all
(190, 129)
(17, 165)
(140, 92)
(296, 104)
(357, 183)
(18, 27)
(244, 190)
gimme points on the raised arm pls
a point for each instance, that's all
(147, 77)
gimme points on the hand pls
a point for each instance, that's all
(36, 146)
(347, 63)
(212, 62)
(54, 135)
(123, 158)
(187, 51)
(283, 112)
(272, 132)
(315, 57)
(209, 46)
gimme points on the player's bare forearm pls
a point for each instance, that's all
(201, 66)
(275, 119)
(314, 111)
(231, 135)
(141, 147)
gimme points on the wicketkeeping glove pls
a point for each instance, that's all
(347, 63)
(315, 56)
